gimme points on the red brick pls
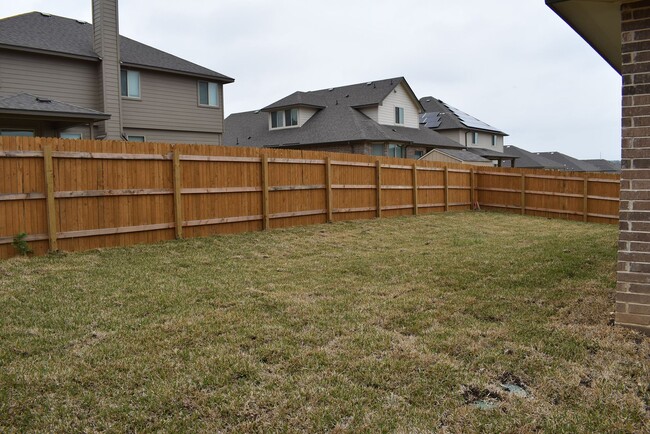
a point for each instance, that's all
(624, 276)
(638, 288)
(639, 247)
(635, 153)
(634, 257)
(621, 307)
(628, 297)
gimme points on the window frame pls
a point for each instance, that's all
(377, 146)
(279, 118)
(494, 139)
(418, 154)
(217, 94)
(474, 138)
(399, 115)
(125, 90)
(392, 147)
(128, 138)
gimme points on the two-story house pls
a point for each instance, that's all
(374, 118)
(61, 77)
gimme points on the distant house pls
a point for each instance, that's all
(460, 126)
(374, 118)
(606, 165)
(61, 77)
(569, 163)
(531, 160)
(460, 156)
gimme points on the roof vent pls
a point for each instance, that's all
(330, 89)
(429, 100)
(257, 111)
(347, 96)
(369, 83)
(46, 15)
(81, 21)
(39, 99)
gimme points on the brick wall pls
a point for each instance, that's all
(633, 289)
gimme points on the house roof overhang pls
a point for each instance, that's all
(598, 22)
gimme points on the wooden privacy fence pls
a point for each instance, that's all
(76, 195)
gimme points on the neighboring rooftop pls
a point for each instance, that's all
(441, 116)
(569, 163)
(354, 95)
(531, 160)
(606, 165)
(460, 155)
(51, 34)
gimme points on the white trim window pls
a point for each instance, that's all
(208, 94)
(284, 118)
(130, 81)
(474, 138)
(399, 115)
(494, 139)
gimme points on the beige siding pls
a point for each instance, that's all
(400, 97)
(372, 113)
(170, 102)
(162, 136)
(485, 141)
(304, 114)
(69, 80)
(455, 135)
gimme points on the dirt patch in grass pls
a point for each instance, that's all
(394, 325)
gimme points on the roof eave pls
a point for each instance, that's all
(220, 78)
(48, 52)
(56, 115)
(597, 22)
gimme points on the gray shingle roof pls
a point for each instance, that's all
(569, 163)
(605, 165)
(65, 36)
(354, 95)
(461, 155)
(330, 125)
(25, 102)
(450, 118)
(491, 153)
(530, 160)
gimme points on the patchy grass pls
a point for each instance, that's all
(403, 325)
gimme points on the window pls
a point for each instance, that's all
(395, 151)
(418, 154)
(208, 94)
(284, 118)
(474, 138)
(17, 133)
(377, 149)
(130, 83)
(135, 138)
(494, 139)
(399, 115)
(70, 135)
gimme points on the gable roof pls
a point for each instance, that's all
(51, 34)
(461, 155)
(531, 160)
(333, 124)
(568, 162)
(354, 95)
(25, 103)
(441, 116)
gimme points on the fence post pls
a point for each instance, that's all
(378, 179)
(51, 204)
(446, 189)
(328, 188)
(585, 200)
(178, 200)
(472, 194)
(265, 193)
(523, 194)
(415, 189)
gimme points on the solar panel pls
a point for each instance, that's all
(431, 119)
(470, 121)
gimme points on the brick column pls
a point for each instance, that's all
(633, 288)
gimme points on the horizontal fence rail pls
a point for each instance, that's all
(77, 195)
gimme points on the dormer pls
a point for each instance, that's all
(290, 117)
(400, 107)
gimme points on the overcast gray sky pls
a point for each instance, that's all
(511, 63)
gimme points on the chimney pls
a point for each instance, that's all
(106, 43)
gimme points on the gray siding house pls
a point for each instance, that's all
(61, 77)
(373, 118)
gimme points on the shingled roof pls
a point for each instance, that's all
(568, 162)
(25, 103)
(439, 115)
(354, 95)
(50, 34)
(330, 125)
(531, 160)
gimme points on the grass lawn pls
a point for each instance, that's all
(413, 324)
